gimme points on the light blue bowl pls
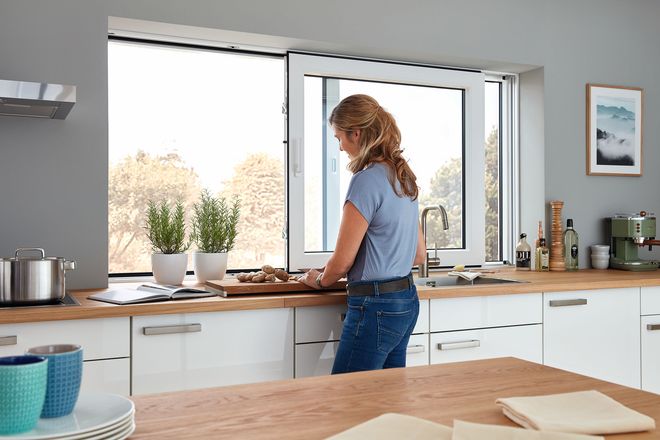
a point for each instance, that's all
(64, 376)
(22, 392)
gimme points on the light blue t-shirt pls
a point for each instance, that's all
(389, 246)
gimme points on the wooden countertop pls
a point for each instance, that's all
(586, 279)
(318, 407)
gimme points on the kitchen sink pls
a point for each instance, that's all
(447, 281)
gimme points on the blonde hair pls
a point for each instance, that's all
(380, 140)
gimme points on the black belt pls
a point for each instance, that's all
(369, 289)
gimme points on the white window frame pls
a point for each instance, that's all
(471, 82)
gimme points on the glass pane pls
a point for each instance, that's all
(492, 178)
(431, 124)
(185, 119)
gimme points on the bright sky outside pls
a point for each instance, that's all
(194, 103)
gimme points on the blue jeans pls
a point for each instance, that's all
(376, 331)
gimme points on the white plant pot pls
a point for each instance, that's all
(209, 266)
(169, 268)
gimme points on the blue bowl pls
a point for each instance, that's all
(22, 392)
(65, 363)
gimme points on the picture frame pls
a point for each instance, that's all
(614, 130)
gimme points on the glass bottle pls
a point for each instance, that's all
(570, 246)
(542, 257)
(523, 254)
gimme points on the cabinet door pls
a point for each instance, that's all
(315, 359)
(449, 314)
(651, 353)
(107, 376)
(595, 333)
(650, 300)
(418, 350)
(199, 350)
(523, 342)
(319, 323)
(422, 324)
(100, 338)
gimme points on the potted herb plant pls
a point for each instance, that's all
(166, 230)
(214, 231)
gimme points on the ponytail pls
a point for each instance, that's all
(380, 141)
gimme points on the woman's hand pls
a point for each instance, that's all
(309, 278)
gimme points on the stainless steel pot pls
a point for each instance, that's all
(31, 279)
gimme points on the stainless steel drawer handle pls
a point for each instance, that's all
(8, 340)
(171, 329)
(652, 326)
(460, 344)
(567, 302)
(415, 349)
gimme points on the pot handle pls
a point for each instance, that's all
(69, 265)
(43, 253)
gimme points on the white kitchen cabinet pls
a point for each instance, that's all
(101, 338)
(199, 350)
(449, 314)
(523, 342)
(650, 300)
(107, 376)
(324, 323)
(315, 359)
(319, 323)
(418, 350)
(650, 334)
(595, 333)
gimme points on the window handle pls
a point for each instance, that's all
(296, 146)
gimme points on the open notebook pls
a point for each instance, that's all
(149, 293)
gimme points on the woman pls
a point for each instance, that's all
(379, 240)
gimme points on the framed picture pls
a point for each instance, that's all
(614, 130)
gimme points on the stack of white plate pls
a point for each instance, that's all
(95, 417)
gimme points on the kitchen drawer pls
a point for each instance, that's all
(107, 376)
(324, 323)
(650, 301)
(449, 314)
(422, 325)
(524, 342)
(319, 323)
(101, 338)
(199, 350)
(651, 353)
(315, 359)
(418, 350)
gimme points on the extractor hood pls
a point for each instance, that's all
(36, 100)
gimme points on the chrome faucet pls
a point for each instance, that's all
(424, 267)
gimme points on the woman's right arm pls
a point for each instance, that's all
(420, 255)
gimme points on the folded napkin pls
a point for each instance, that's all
(475, 431)
(470, 276)
(585, 412)
(392, 426)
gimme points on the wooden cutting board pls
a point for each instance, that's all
(235, 287)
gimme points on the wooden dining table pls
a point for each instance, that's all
(317, 407)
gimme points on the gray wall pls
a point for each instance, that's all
(54, 173)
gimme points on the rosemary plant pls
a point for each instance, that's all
(214, 223)
(166, 228)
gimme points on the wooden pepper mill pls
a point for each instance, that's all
(557, 244)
